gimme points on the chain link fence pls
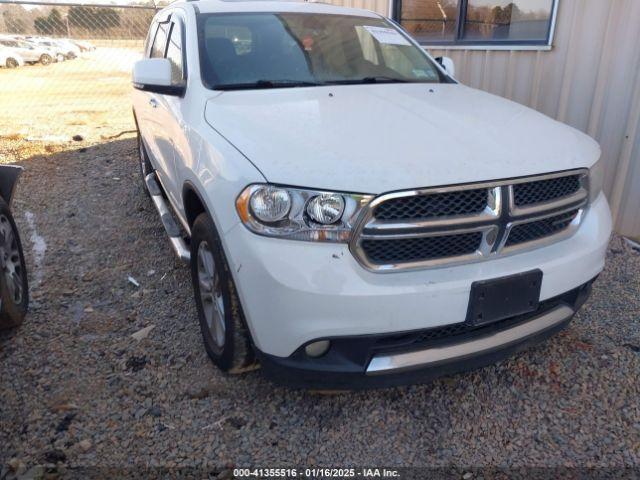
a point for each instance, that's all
(65, 71)
(79, 21)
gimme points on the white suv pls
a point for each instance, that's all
(354, 216)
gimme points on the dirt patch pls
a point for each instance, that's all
(43, 107)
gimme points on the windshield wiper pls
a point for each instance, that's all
(376, 79)
(266, 84)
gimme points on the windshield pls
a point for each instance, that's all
(272, 50)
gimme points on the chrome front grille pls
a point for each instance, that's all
(465, 202)
(467, 223)
(545, 190)
(420, 248)
(537, 229)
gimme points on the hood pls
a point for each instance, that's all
(380, 138)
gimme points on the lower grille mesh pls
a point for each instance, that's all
(528, 232)
(420, 249)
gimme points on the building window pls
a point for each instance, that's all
(477, 22)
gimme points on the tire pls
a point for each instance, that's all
(14, 289)
(45, 59)
(12, 63)
(235, 353)
(145, 164)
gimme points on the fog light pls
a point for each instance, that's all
(317, 349)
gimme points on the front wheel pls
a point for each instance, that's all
(12, 63)
(226, 337)
(14, 290)
(45, 59)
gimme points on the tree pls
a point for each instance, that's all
(94, 18)
(14, 25)
(80, 17)
(52, 24)
(110, 17)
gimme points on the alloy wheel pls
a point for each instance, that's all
(10, 265)
(211, 294)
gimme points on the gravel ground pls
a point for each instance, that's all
(78, 390)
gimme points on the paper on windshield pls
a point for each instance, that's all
(387, 35)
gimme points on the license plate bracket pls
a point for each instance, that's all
(500, 298)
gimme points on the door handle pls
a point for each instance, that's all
(153, 102)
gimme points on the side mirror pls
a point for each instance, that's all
(448, 65)
(154, 75)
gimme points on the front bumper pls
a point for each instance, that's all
(374, 361)
(294, 292)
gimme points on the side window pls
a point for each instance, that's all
(174, 53)
(160, 42)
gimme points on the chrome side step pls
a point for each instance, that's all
(173, 231)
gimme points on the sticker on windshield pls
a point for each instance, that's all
(386, 35)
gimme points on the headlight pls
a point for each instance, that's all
(326, 208)
(270, 204)
(596, 180)
(300, 214)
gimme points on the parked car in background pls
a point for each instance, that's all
(9, 58)
(352, 215)
(60, 53)
(83, 45)
(29, 52)
(14, 289)
(72, 50)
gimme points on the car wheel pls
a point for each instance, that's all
(45, 59)
(70, 56)
(14, 290)
(226, 337)
(12, 63)
(145, 164)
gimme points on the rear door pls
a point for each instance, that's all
(173, 144)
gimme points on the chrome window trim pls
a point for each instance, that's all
(495, 222)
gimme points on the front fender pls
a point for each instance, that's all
(9, 175)
(217, 176)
